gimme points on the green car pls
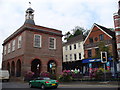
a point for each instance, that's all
(43, 82)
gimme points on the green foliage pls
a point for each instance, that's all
(76, 31)
(102, 47)
(65, 76)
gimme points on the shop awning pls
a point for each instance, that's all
(91, 60)
(94, 60)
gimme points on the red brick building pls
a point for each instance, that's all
(33, 48)
(97, 37)
(117, 29)
(117, 32)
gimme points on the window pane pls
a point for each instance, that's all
(75, 57)
(9, 48)
(13, 45)
(89, 53)
(19, 42)
(74, 46)
(101, 37)
(79, 55)
(52, 43)
(37, 42)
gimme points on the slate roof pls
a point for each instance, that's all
(29, 21)
(74, 40)
(109, 31)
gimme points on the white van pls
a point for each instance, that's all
(4, 75)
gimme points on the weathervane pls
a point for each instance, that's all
(29, 4)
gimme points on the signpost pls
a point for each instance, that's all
(104, 61)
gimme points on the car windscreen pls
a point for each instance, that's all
(46, 78)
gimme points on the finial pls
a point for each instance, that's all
(29, 4)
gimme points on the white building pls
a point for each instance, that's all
(73, 52)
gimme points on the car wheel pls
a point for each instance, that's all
(30, 86)
(42, 86)
(55, 87)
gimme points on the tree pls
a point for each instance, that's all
(76, 31)
(102, 47)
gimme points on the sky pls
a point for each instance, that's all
(63, 15)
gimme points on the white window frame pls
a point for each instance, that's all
(70, 57)
(5, 49)
(66, 57)
(80, 56)
(19, 42)
(54, 47)
(78, 45)
(9, 47)
(40, 43)
(75, 58)
(13, 45)
(66, 48)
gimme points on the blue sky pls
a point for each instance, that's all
(63, 15)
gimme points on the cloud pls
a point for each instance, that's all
(59, 14)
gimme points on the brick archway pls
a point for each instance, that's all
(18, 68)
(36, 67)
(8, 67)
(52, 67)
(13, 68)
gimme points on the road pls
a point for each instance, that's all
(71, 86)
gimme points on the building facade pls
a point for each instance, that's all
(73, 53)
(117, 32)
(33, 48)
(99, 39)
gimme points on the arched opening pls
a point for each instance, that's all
(8, 67)
(35, 67)
(52, 66)
(13, 68)
(18, 68)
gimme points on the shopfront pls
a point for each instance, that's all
(93, 64)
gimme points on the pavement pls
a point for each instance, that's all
(91, 84)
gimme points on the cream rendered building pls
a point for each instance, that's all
(73, 53)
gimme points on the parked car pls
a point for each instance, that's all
(4, 75)
(43, 82)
